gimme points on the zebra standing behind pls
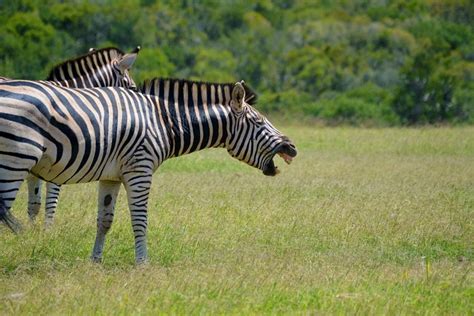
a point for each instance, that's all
(116, 136)
(106, 67)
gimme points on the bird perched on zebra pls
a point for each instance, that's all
(117, 136)
(105, 67)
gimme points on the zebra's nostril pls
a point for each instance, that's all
(290, 149)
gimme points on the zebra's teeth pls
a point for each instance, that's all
(288, 159)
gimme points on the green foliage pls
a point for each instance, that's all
(153, 62)
(435, 90)
(353, 111)
(214, 65)
(304, 57)
(367, 104)
(286, 102)
(27, 45)
(311, 70)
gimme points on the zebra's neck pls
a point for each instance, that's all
(196, 114)
(91, 70)
(93, 80)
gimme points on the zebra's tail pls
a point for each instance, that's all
(7, 218)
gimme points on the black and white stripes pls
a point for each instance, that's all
(115, 135)
(106, 67)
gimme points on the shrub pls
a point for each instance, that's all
(367, 104)
(356, 111)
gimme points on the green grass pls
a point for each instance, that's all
(364, 221)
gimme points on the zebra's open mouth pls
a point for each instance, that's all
(287, 151)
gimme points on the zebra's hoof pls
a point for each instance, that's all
(48, 226)
(141, 261)
(96, 259)
(11, 222)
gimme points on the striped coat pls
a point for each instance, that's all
(106, 67)
(118, 136)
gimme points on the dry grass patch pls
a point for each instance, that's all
(363, 221)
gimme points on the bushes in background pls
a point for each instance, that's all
(354, 62)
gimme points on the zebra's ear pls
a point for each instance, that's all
(238, 96)
(136, 50)
(127, 61)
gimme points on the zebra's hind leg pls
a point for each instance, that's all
(52, 195)
(108, 192)
(34, 196)
(138, 185)
(8, 190)
(8, 219)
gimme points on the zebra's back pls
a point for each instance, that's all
(76, 135)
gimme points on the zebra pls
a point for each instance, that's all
(118, 136)
(98, 68)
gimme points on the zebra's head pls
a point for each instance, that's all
(122, 66)
(253, 139)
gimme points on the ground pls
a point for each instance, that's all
(364, 221)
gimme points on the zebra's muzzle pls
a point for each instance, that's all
(285, 150)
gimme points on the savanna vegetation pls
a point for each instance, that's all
(364, 221)
(368, 61)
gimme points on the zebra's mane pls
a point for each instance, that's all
(109, 52)
(251, 96)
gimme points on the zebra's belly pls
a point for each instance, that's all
(43, 168)
(60, 173)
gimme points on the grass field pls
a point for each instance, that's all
(364, 221)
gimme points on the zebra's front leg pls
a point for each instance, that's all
(52, 194)
(34, 196)
(138, 185)
(108, 192)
